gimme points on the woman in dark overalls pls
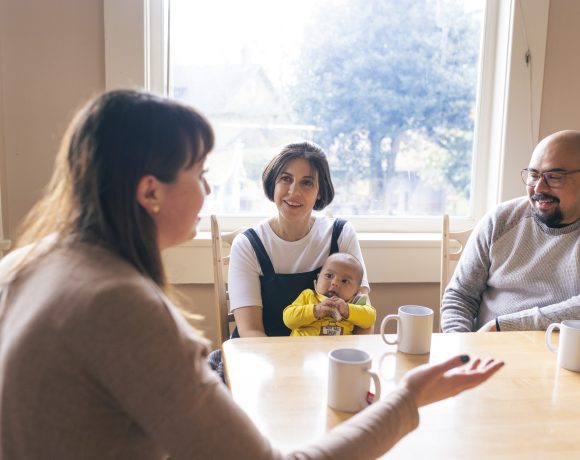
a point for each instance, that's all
(272, 262)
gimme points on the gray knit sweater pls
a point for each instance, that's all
(517, 269)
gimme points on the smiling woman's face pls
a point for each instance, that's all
(296, 190)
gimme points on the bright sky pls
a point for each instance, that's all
(216, 24)
(214, 31)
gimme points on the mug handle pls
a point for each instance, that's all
(549, 342)
(384, 323)
(377, 382)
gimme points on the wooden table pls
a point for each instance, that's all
(530, 409)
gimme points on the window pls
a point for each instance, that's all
(504, 95)
(387, 87)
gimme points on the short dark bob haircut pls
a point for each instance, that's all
(310, 152)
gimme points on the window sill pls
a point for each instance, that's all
(389, 258)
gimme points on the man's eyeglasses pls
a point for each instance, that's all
(551, 178)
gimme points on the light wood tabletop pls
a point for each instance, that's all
(530, 409)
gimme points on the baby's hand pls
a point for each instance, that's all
(323, 309)
(341, 306)
(336, 315)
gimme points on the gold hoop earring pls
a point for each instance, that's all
(155, 208)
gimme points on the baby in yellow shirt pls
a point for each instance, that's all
(334, 306)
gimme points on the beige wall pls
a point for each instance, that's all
(561, 93)
(52, 59)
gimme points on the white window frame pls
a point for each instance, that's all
(507, 130)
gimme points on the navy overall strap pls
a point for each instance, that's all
(336, 231)
(273, 326)
(279, 290)
(260, 250)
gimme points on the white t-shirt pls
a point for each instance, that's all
(287, 257)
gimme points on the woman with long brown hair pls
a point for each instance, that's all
(95, 360)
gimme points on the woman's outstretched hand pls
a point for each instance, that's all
(431, 383)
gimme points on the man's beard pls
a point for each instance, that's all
(551, 219)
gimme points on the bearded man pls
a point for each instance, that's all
(520, 269)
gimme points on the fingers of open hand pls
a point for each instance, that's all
(423, 375)
(490, 362)
(427, 383)
(474, 365)
(434, 383)
(484, 366)
(451, 363)
(474, 374)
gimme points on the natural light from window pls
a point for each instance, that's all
(387, 87)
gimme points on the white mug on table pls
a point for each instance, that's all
(414, 329)
(568, 348)
(349, 376)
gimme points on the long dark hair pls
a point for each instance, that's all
(113, 142)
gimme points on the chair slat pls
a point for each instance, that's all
(449, 252)
(220, 243)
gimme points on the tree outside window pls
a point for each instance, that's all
(387, 87)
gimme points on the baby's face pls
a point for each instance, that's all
(338, 278)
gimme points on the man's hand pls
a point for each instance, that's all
(488, 327)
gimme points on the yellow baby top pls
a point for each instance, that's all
(299, 316)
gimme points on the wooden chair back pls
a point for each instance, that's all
(450, 253)
(4, 246)
(220, 245)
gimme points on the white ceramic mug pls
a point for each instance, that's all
(568, 348)
(349, 377)
(414, 329)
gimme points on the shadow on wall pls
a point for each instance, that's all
(388, 297)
